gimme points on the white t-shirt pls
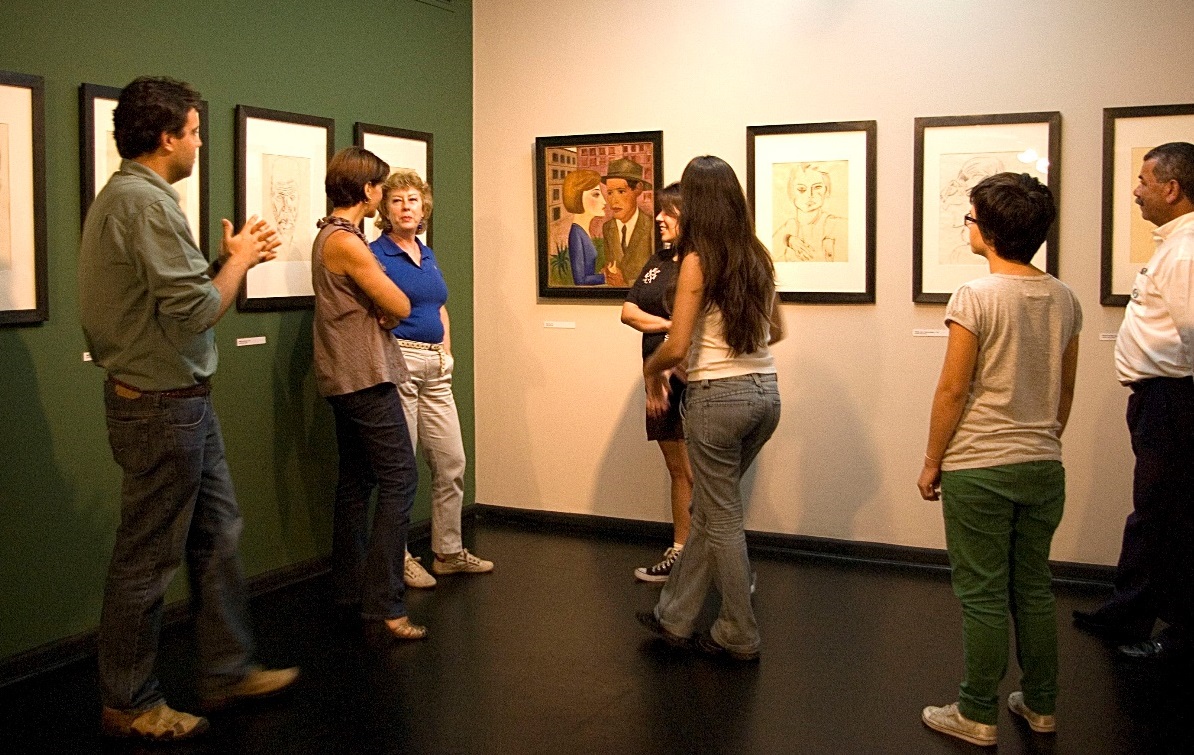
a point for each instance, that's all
(709, 356)
(1023, 324)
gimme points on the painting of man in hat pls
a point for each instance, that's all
(629, 235)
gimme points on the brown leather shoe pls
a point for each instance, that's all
(158, 724)
(258, 683)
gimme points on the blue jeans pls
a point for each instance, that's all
(375, 449)
(176, 499)
(999, 525)
(726, 422)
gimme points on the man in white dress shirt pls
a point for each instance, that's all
(1154, 356)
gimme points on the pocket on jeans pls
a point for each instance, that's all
(187, 414)
(129, 440)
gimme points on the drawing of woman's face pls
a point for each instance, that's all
(593, 202)
(807, 189)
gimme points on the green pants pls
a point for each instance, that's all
(999, 524)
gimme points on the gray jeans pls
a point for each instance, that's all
(726, 422)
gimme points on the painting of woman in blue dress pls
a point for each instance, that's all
(583, 198)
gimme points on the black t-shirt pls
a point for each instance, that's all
(650, 293)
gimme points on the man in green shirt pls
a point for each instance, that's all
(148, 300)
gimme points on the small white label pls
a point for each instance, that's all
(1106, 336)
(86, 356)
(559, 324)
(930, 333)
(253, 341)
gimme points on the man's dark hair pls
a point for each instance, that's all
(149, 107)
(1175, 162)
(348, 172)
(1014, 213)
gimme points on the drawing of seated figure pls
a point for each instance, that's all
(286, 180)
(814, 234)
(954, 243)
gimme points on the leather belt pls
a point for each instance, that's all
(124, 390)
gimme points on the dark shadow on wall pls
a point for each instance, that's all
(304, 437)
(52, 557)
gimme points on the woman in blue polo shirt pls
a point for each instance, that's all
(425, 338)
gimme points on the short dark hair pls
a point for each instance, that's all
(149, 107)
(349, 171)
(1175, 162)
(1015, 212)
(669, 199)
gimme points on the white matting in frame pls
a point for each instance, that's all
(101, 159)
(954, 154)
(282, 162)
(400, 148)
(812, 188)
(23, 279)
(1128, 134)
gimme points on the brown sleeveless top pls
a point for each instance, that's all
(352, 352)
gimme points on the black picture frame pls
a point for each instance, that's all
(34, 198)
(975, 135)
(392, 145)
(588, 152)
(286, 133)
(816, 149)
(1127, 237)
(90, 150)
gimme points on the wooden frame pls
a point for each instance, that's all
(292, 174)
(637, 156)
(1128, 133)
(401, 148)
(812, 190)
(951, 155)
(24, 278)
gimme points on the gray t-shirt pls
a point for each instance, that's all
(1023, 325)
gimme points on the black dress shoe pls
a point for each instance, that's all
(1091, 623)
(1145, 650)
(651, 622)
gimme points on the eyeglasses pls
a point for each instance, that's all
(969, 220)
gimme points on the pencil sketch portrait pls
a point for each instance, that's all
(959, 174)
(811, 205)
(286, 203)
(5, 203)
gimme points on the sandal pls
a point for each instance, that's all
(402, 629)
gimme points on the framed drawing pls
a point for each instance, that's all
(1129, 133)
(595, 211)
(401, 149)
(952, 155)
(24, 284)
(281, 162)
(812, 187)
(98, 158)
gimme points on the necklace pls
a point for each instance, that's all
(340, 222)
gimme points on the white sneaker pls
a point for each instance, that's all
(414, 575)
(1038, 722)
(948, 720)
(462, 563)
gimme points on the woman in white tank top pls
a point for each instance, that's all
(725, 318)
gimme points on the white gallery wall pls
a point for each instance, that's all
(559, 411)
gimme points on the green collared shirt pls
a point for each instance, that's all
(146, 300)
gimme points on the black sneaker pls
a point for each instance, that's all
(660, 571)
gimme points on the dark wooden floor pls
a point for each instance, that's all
(544, 656)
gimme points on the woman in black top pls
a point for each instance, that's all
(648, 309)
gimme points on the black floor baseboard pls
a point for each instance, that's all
(778, 544)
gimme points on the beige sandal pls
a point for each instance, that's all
(402, 629)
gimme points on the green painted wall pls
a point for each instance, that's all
(401, 63)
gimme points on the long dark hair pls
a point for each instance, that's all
(739, 275)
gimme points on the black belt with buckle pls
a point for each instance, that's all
(124, 390)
